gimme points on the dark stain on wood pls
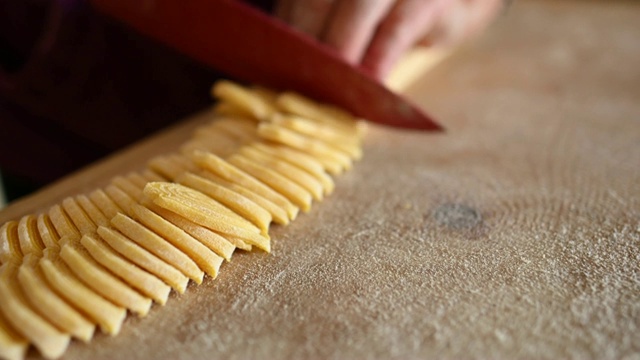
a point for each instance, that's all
(458, 217)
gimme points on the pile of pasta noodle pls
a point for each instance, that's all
(89, 260)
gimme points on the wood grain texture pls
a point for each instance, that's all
(516, 234)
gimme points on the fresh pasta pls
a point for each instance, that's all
(87, 261)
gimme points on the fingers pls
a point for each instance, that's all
(310, 16)
(462, 20)
(447, 29)
(352, 25)
(376, 33)
(401, 29)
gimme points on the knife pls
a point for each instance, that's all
(251, 46)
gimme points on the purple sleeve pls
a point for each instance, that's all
(77, 86)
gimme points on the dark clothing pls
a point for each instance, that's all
(76, 86)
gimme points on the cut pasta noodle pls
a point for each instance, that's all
(139, 279)
(45, 337)
(152, 242)
(13, 346)
(223, 169)
(208, 238)
(289, 189)
(49, 304)
(9, 243)
(144, 258)
(29, 239)
(107, 315)
(234, 201)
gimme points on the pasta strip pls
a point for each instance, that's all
(297, 104)
(150, 175)
(266, 94)
(159, 191)
(207, 260)
(228, 109)
(210, 239)
(242, 129)
(243, 98)
(102, 201)
(63, 225)
(49, 304)
(130, 189)
(9, 243)
(205, 211)
(167, 168)
(102, 281)
(49, 341)
(149, 285)
(211, 141)
(231, 173)
(47, 231)
(278, 214)
(291, 172)
(29, 238)
(330, 137)
(13, 346)
(153, 242)
(298, 159)
(234, 201)
(138, 180)
(291, 190)
(96, 216)
(120, 198)
(332, 162)
(91, 272)
(78, 217)
(144, 259)
(75, 292)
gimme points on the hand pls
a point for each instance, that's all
(376, 33)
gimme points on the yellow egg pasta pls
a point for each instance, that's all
(9, 243)
(49, 341)
(278, 214)
(289, 189)
(87, 261)
(13, 346)
(143, 258)
(28, 235)
(49, 304)
(104, 203)
(223, 169)
(300, 177)
(154, 243)
(212, 240)
(63, 225)
(147, 284)
(234, 201)
(300, 160)
(244, 99)
(96, 216)
(107, 315)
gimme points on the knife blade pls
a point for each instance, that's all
(251, 46)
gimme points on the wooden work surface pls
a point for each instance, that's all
(514, 234)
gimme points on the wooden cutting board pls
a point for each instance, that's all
(514, 234)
